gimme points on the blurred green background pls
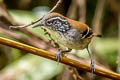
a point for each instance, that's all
(103, 16)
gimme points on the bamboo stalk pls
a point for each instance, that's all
(65, 60)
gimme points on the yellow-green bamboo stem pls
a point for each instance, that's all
(65, 60)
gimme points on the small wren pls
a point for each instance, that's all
(70, 33)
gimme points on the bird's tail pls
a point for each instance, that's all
(97, 35)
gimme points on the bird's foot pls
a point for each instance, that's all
(61, 53)
(92, 66)
(59, 56)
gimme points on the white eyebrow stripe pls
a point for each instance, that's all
(53, 18)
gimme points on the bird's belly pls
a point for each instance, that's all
(72, 42)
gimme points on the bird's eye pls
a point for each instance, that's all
(49, 22)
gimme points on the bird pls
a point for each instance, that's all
(70, 33)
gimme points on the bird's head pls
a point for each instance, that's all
(55, 22)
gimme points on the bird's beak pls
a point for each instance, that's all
(37, 25)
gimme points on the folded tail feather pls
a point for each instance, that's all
(97, 35)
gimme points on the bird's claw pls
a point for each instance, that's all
(92, 66)
(59, 56)
(61, 53)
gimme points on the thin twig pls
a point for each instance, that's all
(24, 26)
(57, 4)
(65, 60)
(51, 39)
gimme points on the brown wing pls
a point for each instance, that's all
(82, 28)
